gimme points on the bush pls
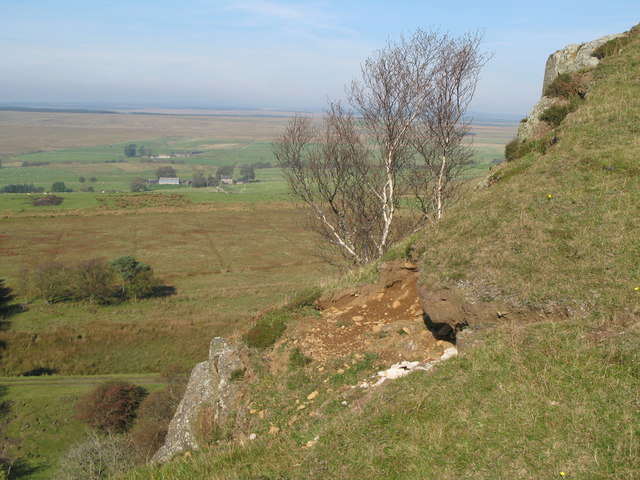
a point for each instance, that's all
(47, 201)
(111, 407)
(136, 278)
(60, 187)
(306, 297)
(515, 150)
(49, 281)
(152, 423)
(511, 150)
(157, 410)
(138, 185)
(612, 47)
(297, 359)
(93, 281)
(555, 114)
(267, 330)
(568, 86)
(97, 458)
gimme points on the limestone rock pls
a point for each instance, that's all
(208, 401)
(184, 429)
(531, 127)
(573, 58)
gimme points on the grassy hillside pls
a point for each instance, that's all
(560, 229)
(556, 397)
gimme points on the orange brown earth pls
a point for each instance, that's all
(384, 318)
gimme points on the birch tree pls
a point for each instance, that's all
(348, 170)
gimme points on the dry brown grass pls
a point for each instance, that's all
(226, 262)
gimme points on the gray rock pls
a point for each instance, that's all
(530, 128)
(208, 402)
(184, 429)
(573, 58)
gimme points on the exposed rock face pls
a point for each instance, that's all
(533, 126)
(209, 401)
(573, 58)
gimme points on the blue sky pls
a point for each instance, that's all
(270, 53)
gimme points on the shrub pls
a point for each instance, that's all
(267, 330)
(59, 187)
(136, 278)
(306, 297)
(49, 281)
(511, 150)
(47, 201)
(157, 410)
(612, 47)
(555, 114)
(152, 423)
(94, 281)
(569, 86)
(138, 185)
(297, 359)
(538, 145)
(97, 458)
(111, 407)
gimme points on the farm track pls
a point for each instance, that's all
(211, 243)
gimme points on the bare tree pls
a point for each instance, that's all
(348, 172)
(443, 127)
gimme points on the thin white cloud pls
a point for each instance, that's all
(299, 16)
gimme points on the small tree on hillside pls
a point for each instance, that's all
(136, 278)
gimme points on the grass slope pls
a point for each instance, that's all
(562, 228)
(531, 401)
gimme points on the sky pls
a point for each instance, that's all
(270, 54)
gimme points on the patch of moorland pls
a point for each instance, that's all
(226, 264)
(540, 399)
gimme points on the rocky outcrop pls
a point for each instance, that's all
(209, 402)
(532, 126)
(573, 58)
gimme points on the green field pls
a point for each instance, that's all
(41, 409)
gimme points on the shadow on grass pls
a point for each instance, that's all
(163, 291)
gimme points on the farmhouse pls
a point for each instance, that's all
(168, 181)
(226, 180)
